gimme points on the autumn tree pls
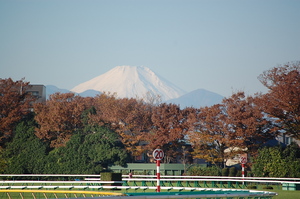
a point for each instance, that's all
(130, 118)
(282, 102)
(152, 98)
(134, 121)
(247, 126)
(169, 129)
(106, 107)
(208, 135)
(224, 130)
(14, 104)
(59, 117)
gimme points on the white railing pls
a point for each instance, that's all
(92, 182)
(149, 176)
(95, 180)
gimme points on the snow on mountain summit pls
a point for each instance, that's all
(131, 82)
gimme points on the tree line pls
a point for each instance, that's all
(74, 134)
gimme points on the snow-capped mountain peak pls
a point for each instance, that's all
(131, 82)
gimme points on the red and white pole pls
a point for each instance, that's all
(243, 171)
(158, 175)
(243, 161)
(158, 155)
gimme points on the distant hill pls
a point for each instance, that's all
(51, 89)
(89, 93)
(197, 98)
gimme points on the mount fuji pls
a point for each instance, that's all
(131, 82)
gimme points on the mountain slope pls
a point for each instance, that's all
(197, 98)
(131, 82)
(51, 89)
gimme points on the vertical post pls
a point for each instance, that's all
(243, 161)
(158, 155)
(243, 172)
(158, 175)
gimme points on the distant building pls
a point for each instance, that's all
(38, 91)
(285, 139)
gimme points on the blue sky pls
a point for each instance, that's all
(218, 45)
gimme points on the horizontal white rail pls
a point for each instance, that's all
(211, 180)
(148, 176)
(201, 180)
(52, 175)
(212, 177)
(143, 179)
(58, 182)
(123, 187)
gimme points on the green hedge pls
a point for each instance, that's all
(110, 176)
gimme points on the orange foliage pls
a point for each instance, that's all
(59, 117)
(130, 118)
(283, 98)
(14, 104)
(235, 125)
(170, 125)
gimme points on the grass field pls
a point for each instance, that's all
(282, 194)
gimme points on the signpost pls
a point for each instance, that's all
(158, 155)
(243, 161)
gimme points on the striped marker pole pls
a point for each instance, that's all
(243, 171)
(158, 175)
(158, 155)
(243, 161)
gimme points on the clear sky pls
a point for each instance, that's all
(218, 45)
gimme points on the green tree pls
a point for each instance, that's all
(3, 163)
(25, 153)
(292, 156)
(87, 152)
(269, 163)
(277, 162)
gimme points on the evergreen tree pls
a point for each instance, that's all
(87, 152)
(278, 162)
(25, 153)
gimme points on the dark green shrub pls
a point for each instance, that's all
(267, 187)
(203, 171)
(252, 187)
(232, 171)
(225, 171)
(110, 176)
(249, 174)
